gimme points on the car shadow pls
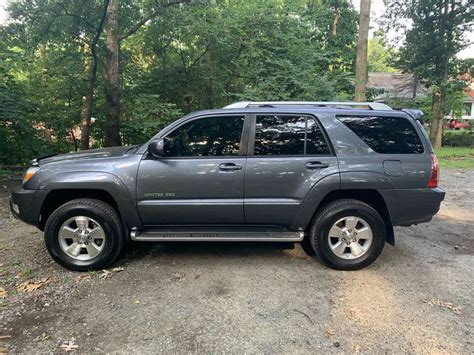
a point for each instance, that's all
(138, 250)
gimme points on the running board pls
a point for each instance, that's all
(216, 236)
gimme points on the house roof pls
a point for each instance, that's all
(396, 85)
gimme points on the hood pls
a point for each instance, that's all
(86, 154)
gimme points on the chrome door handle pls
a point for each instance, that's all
(229, 167)
(316, 165)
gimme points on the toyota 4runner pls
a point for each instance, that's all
(334, 176)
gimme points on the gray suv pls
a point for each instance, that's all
(335, 177)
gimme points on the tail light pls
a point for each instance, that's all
(433, 183)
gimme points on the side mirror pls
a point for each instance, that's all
(157, 148)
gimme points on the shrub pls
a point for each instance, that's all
(459, 139)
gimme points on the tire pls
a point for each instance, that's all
(342, 224)
(91, 237)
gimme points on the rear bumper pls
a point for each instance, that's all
(26, 204)
(412, 206)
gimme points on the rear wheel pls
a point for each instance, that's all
(347, 234)
(84, 234)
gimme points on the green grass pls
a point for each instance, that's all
(455, 158)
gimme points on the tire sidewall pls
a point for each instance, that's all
(66, 212)
(320, 234)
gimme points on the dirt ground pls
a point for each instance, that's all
(417, 297)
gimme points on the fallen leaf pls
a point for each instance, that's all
(328, 333)
(42, 337)
(137, 302)
(177, 276)
(118, 269)
(105, 274)
(29, 286)
(3, 350)
(80, 278)
(69, 347)
(5, 337)
(455, 308)
(3, 292)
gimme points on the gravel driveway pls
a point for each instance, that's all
(417, 297)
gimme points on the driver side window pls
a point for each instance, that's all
(209, 136)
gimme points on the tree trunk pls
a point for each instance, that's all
(335, 22)
(86, 110)
(439, 97)
(112, 87)
(88, 99)
(438, 107)
(74, 140)
(362, 44)
(210, 74)
(436, 131)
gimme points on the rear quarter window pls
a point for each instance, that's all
(385, 135)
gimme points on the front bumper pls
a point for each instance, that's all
(26, 204)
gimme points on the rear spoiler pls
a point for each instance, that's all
(414, 113)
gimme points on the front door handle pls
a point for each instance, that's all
(316, 165)
(229, 167)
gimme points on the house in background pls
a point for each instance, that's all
(406, 86)
(469, 90)
(396, 86)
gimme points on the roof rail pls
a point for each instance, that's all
(370, 105)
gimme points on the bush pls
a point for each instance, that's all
(144, 116)
(459, 139)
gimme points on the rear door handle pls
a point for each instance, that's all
(316, 165)
(229, 167)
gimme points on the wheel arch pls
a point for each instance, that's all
(56, 198)
(372, 197)
(103, 186)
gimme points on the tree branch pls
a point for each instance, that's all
(154, 14)
(67, 13)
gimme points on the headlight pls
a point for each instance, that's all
(29, 173)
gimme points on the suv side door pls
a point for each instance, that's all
(288, 155)
(200, 180)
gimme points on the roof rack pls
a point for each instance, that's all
(337, 104)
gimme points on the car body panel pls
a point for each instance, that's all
(267, 191)
(190, 191)
(112, 170)
(275, 187)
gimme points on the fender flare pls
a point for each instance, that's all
(94, 180)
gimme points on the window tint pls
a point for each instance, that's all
(210, 136)
(385, 135)
(315, 141)
(285, 135)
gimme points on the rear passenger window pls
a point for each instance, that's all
(385, 135)
(315, 141)
(288, 135)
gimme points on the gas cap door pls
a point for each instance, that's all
(393, 167)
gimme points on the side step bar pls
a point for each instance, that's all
(216, 236)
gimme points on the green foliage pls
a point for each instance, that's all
(464, 138)
(4, 173)
(455, 98)
(144, 116)
(380, 56)
(434, 33)
(18, 137)
(247, 50)
(198, 55)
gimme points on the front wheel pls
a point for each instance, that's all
(84, 234)
(347, 234)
